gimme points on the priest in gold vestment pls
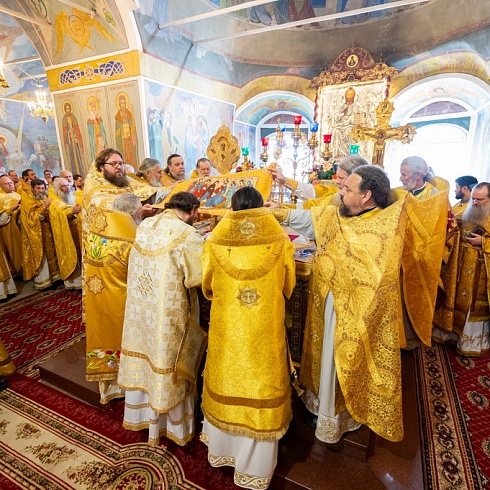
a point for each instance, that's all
(162, 343)
(470, 326)
(105, 181)
(248, 268)
(351, 365)
(63, 213)
(108, 245)
(39, 260)
(425, 249)
(462, 191)
(9, 223)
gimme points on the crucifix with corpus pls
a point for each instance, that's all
(383, 132)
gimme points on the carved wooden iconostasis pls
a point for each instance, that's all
(347, 96)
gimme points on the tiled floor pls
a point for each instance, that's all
(23, 289)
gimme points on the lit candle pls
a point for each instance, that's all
(327, 138)
(314, 127)
(297, 120)
(354, 149)
(265, 141)
(245, 152)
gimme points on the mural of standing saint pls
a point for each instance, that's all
(126, 138)
(72, 139)
(95, 128)
(4, 153)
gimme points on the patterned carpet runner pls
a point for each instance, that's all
(49, 440)
(453, 393)
(39, 326)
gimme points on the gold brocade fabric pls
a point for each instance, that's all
(32, 238)
(444, 314)
(423, 254)
(167, 180)
(96, 179)
(359, 260)
(107, 253)
(325, 200)
(7, 366)
(459, 208)
(66, 250)
(4, 267)
(164, 270)
(10, 232)
(472, 286)
(100, 192)
(248, 268)
(323, 191)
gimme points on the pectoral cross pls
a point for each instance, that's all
(383, 132)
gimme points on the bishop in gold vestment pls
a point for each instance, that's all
(249, 267)
(160, 322)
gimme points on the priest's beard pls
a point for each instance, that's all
(410, 185)
(66, 198)
(117, 180)
(155, 181)
(477, 215)
(41, 196)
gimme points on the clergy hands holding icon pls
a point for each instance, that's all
(76, 209)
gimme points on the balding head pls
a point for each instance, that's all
(6, 184)
(66, 174)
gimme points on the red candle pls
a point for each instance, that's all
(327, 138)
(297, 119)
(265, 141)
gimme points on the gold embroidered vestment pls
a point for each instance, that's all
(248, 268)
(358, 259)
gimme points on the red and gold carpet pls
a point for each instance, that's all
(49, 440)
(39, 326)
(453, 393)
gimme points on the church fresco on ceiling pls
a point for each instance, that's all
(15, 44)
(174, 44)
(76, 33)
(255, 112)
(282, 11)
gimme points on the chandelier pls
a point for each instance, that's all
(41, 108)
